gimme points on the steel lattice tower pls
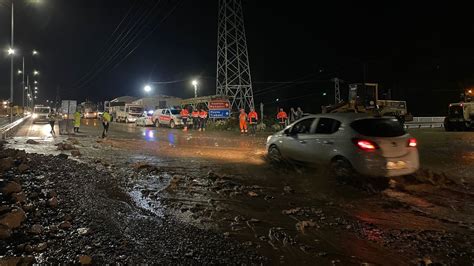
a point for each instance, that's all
(233, 69)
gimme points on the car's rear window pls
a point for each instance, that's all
(378, 127)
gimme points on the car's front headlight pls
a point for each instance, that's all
(269, 138)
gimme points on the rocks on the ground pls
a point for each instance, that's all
(65, 225)
(11, 187)
(63, 146)
(85, 260)
(36, 229)
(52, 193)
(302, 225)
(252, 194)
(83, 231)
(32, 141)
(288, 189)
(19, 197)
(6, 163)
(23, 168)
(40, 247)
(5, 232)
(53, 202)
(13, 219)
(75, 153)
(63, 156)
(173, 185)
(67, 218)
(73, 141)
(28, 248)
(28, 207)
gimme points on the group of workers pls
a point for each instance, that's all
(199, 118)
(251, 118)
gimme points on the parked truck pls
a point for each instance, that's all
(128, 113)
(460, 116)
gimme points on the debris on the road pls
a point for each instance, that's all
(252, 194)
(13, 218)
(288, 189)
(64, 146)
(75, 153)
(11, 187)
(32, 141)
(301, 225)
(173, 185)
(83, 231)
(85, 260)
(36, 229)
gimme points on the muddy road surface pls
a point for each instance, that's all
(220, 185)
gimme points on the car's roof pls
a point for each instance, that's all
(346, 117)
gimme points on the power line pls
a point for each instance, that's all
(104, 50)
(125, 43)
(149, 33)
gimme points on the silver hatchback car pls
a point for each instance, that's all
(348, 142)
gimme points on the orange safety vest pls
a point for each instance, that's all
(203, 114)
(184, 113)
(195, 114)
(243, 116)
(253, 116)
(282, 116)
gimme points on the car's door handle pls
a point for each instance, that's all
(302, 142)
(328, 142)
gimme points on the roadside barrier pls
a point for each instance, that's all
(426, 122)
(8, 129)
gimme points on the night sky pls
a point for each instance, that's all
(423, 54)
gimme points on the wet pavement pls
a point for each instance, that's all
(221, 182)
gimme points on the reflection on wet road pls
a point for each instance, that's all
(221, 181)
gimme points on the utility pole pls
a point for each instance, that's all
(233, 70)
(11, 67)
(337, 90)
(23, 85)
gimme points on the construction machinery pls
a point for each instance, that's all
(364, 98)
(460, 116)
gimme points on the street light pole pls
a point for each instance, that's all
(195, 84)
(11, 68)
(23, 85)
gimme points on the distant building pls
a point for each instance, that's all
(158, 101)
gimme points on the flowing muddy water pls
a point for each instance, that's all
(291, 215)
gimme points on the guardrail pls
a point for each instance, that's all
(7, 129)
(426, 122)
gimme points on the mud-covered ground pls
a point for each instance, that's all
(213, 197)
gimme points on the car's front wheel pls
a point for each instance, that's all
(172, 124)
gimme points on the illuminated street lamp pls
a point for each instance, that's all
(35, 73)
(20, 72)
(147, 88)
(11, 51)
(195, 84)
(35, 52)
(36, 82)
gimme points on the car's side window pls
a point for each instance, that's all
(167, 112)
(302, 127)
(327, 126)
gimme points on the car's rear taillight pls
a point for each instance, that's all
(412, 142)
(366, 145)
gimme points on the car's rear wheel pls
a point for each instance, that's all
(172, 124)
(342, 169)
(274, 154)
